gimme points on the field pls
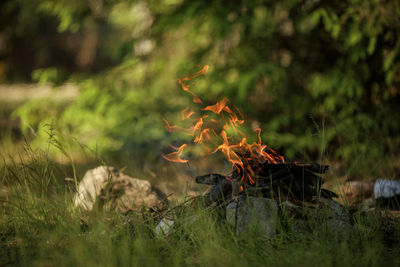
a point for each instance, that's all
(39, 226)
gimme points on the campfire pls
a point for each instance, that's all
(258, 170)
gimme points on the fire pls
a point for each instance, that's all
(239, 152)
(199, 124)
(184, 83)
(176, 156)
(218, 107)
(187, 113)
(169, 127)
(204, 136)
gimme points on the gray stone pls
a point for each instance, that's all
(326, 212)
(164, 227)
(333, 209)
(115, 190)
(290, 209)
(337, 216)
(253, 214)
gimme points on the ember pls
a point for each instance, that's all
(258, 170)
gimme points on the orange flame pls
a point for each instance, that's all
(240, 153)
(204, 136)
(199, 124)
(187, 113)
(186, 87)
(218, 107)
(176, 156)
(228, 150)
(168, 126)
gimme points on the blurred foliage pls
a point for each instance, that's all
(319, 77)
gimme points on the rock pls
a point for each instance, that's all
(90, 186)
(115, 190)
(127, 194)
(164, 227)
(292, 217)
(290, 209)
(253, 214)
(386, 188)
(325, 212)
(333, 208)
(366, 204)
(387, 223)
(387, 193)
(338, 218)
(299, 226)
(357, 191)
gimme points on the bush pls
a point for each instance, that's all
(319, 78)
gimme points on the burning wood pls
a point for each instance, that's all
(262, 188)
(260, 177)
(258, 170)
(298, 182)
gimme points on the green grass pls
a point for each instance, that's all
(39, 226)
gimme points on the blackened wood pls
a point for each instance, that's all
(281, 180)
(314, 167)
(210, 179)
(219, 192)
(328, 194)
(291, 180)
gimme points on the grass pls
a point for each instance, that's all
(40, 227)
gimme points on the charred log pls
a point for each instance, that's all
(280, 181)
(210, 179)
(219, 192)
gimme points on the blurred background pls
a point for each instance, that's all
(88, 81)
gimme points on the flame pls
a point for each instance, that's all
(186, 87)
(228, 151)
(176, 156)
(168, 126)
(187, 113)
(183, 82)
(218, 107)
(204, 136)
(199, 124)
(241, 154)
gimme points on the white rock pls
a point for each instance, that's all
(386, 188)
(90, 186)
(115, 190)
(164, 227)
(125, 194)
